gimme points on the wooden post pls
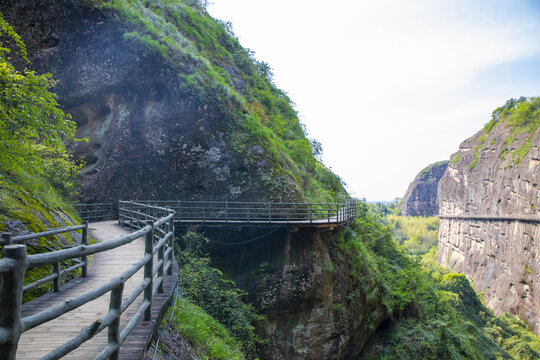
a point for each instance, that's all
(119, 214)
(148, 269)
(11, 293)
(6, 238)
(56, 281)
(114, 329)
(130, 211)
(226, 211)
(161, 257)
(329, 212)
(171, 245)
(310, 213)
(84, 241)
(269, 213)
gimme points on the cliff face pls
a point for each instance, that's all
(495, 174)
(301, 281)
(421, 196)
(172, 105)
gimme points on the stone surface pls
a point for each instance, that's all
(301, 282)
(501, 257)
(421, 196)
(149, 135)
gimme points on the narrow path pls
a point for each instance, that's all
(39, 341)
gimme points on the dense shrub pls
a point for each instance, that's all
(220, 298)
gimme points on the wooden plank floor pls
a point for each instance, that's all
(37, 342)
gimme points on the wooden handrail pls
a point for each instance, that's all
(15, 262)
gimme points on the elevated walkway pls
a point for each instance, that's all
(39, 341)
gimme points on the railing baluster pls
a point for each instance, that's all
(56, 281)
(11, 293)
(171, 243)
(161, 257)
(115, 306)
(131, 215)
(84, 241)
(148, 269)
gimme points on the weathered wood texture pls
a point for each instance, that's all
(38, 341)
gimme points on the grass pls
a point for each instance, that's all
(211, 339)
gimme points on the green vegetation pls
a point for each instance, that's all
(206, 335)
(218, 71)
(36, 172)
(417, 234)
(220, 312)
(523, 116)
(434, 314)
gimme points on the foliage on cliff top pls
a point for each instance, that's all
(523, 115)
(433, 314)
(216, 69)
(36, 172)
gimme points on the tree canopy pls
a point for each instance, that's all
(33, 128)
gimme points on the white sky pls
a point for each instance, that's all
(390, 86)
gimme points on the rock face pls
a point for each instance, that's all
(487, 177)
(150, 135)
(300, 281)
(421, 196)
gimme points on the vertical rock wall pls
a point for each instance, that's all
(488, 202)
(421, 196)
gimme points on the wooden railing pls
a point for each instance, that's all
(96, 211)
(57, 271)
(249, 212)
(158, 231)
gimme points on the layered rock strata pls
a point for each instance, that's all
(490, 225)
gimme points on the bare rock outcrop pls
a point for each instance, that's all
(421, 196)
(489, 228)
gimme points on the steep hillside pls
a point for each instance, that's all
(495, 174)
(421, 196)
(173, 106)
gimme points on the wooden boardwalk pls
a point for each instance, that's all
(39, 341)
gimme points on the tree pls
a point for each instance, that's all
(32, 126)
